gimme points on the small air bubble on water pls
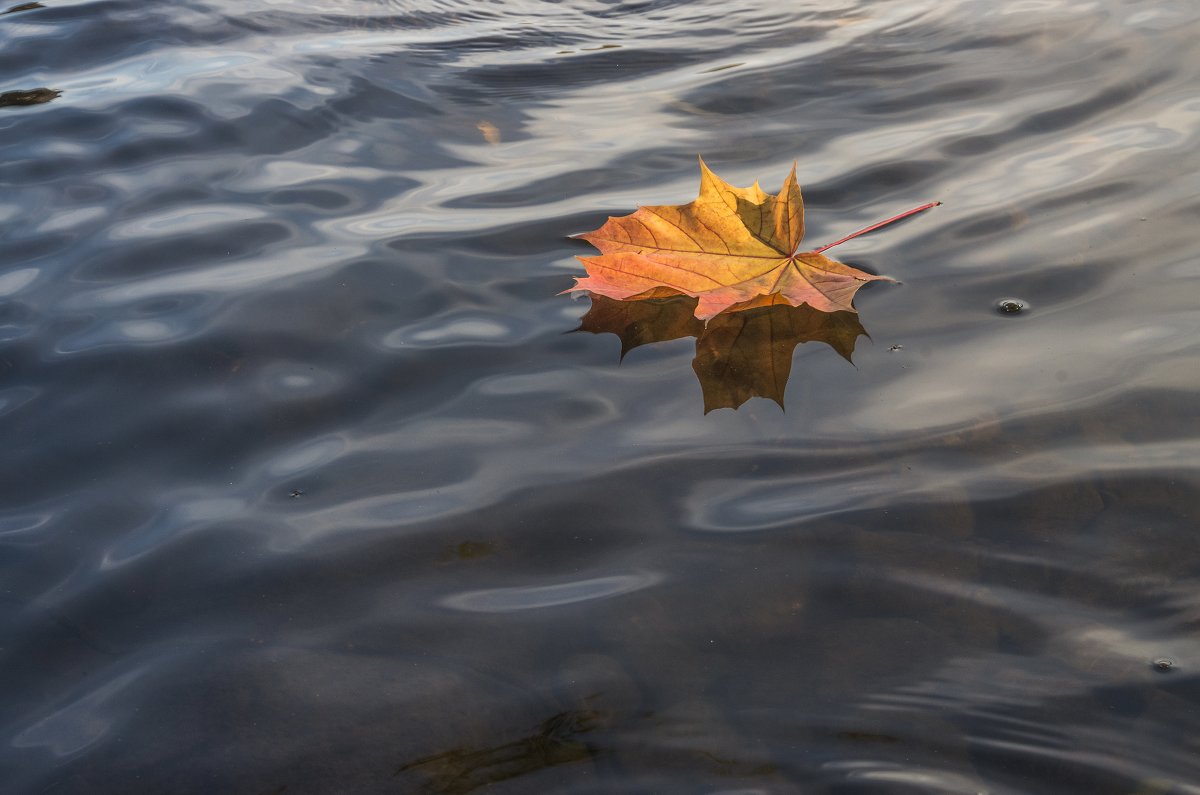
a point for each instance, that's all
(1164, 664)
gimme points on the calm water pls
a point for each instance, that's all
(307, 487)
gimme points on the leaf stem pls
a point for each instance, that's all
(873, 227)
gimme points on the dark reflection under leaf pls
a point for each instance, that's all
(739, 355)
(34, 96)
(462, 770)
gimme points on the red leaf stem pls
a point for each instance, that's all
(873, 227)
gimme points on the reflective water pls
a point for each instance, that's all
(307, 487)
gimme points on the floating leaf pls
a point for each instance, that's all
(22, 7)
(731, 249)
(34, 96)
(463, 770)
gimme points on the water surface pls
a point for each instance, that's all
(308, 488)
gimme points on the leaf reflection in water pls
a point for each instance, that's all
(739, 355)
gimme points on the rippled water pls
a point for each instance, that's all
(307, 488)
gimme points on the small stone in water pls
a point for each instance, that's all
(1164, 664)
(1011, 306)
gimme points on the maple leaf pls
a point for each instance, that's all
(731, 249)
(739, 355)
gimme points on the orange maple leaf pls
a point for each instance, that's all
(731, 249)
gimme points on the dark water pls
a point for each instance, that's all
(306, 487)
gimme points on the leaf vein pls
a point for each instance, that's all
(699, 245)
